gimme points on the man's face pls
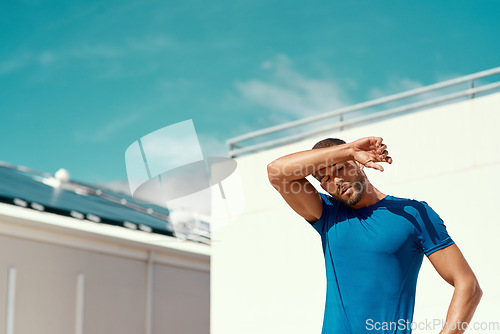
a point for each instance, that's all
(344, 181)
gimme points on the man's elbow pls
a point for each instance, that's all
(274, 173)
(472, 288)
(477, 295)
(478, 292)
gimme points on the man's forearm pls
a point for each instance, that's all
(298, 165)
(463, 304)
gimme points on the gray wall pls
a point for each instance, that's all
(115, 282)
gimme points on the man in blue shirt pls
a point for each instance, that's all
(373, 243)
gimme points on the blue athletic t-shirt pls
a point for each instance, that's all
(372, 259)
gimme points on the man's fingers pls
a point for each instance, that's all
(373, 165)
(383, 158)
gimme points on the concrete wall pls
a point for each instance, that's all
(80, 277)
(267, 266)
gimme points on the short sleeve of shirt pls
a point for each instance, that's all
(431, 232)
(330, 206)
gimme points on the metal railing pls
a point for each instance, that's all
(238, 147)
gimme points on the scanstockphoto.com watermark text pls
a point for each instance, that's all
(433, 325)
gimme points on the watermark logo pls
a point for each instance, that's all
(167, 167)
(431, 325)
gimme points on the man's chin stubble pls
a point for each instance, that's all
(353, 200)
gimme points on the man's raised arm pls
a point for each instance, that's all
(288, 174)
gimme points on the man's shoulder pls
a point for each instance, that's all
(403, 200)
(411, 206)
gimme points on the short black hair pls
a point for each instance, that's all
(328, 142)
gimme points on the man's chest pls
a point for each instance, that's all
(375, 234)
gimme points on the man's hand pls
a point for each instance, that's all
(370, 150)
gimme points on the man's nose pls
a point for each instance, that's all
(338, 180)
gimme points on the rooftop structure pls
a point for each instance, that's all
(82, 259)
(58, 194)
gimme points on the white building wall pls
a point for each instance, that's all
(267, 265)
(132, 282)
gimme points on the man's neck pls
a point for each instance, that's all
(371, 196)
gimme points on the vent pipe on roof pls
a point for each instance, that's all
(62, 175)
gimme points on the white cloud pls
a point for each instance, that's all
(94, 51)
(395, 85)
(12, 64)
(152, 43)
(21, 60)
(104, 132)
(130, 48)
(449, 76)
(290, 91)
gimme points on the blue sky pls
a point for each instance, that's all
(82, 80)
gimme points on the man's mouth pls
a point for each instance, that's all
(344, 189)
